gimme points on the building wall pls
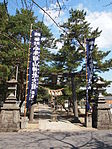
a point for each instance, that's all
(109, 101)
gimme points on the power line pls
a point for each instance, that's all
(48, 15)
(55, 22)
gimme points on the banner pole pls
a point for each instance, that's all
(86, 112)
(89, 74)
(27, 72)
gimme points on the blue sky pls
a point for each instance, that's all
(98, 14)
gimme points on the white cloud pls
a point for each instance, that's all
(109, 89)
(81, 7)
(59, 45)
(103, 20)
(55, 13)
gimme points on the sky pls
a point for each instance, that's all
(99, 14)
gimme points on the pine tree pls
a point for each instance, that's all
(16, 40)
(70, 59)
(4, 70)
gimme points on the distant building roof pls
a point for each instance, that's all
(108, 97)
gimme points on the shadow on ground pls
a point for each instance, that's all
(87, 140)
(57, 140)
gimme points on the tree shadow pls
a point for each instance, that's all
(93, 142)
(59, 140)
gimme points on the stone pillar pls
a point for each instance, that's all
(10, 115)
(31, 113)
(88, 120)
(102, 117)
(10, 112)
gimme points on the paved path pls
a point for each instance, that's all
(61, 135)
(57, 140)
(45, 122)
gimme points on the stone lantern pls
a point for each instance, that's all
(102, 118)
(12, 86)
(10, 112)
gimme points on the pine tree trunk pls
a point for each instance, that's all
(21, 85)
(75, 106)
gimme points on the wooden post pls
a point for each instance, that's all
(86, 112)
(16, 80)
(27, 72)
(31, 113)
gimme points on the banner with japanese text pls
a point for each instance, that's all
(90, 68)
(33, 72)
(89, 48)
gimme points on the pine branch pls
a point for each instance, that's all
(59, 4)
(54, 20)
(12, 40)
(48, 16)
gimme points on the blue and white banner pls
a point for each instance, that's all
(90, 67)
(89, 48)
(33, 73)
